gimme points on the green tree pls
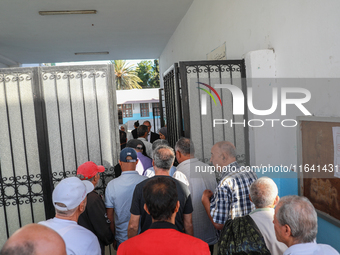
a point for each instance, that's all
(126, 75)
(155, 74)
(148, 73)
(144, 69)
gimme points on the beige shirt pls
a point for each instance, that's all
(263, 218)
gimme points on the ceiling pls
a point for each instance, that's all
(127, 29)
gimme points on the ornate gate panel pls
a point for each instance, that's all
(184, 106)
(53, 119)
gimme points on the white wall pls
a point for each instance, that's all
(303, 33)
(306, 40)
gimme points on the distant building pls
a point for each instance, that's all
(138, 104)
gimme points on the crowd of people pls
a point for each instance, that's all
(153, 207)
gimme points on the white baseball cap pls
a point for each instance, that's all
(71, 192)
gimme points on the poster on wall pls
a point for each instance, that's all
(220, 53)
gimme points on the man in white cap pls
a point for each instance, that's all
(94, 217)
(69, 200)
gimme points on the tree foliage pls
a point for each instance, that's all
(148, 73)
(126, 75)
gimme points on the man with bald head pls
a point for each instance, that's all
(34, 239)
(231, 197)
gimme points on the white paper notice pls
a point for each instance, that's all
(336, 141)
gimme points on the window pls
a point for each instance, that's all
(156, 110)
(144, 110)
(126, 110)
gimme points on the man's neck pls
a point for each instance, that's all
(74, 217)
(171, 220)
(161, 172)
(128, 170)
(185, 158)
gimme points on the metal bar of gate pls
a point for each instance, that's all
(72, 119)
(232, 101)
(4, 201)
(59, 123)
(178, 100)
(185, 99)
(161, 107)
(220, 77)
(43, 142)
(12, 157)
(199, 107)
(246, 133)
(25, 151)
(97, 111)
(82, 76)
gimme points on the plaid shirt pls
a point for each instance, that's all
(231, 197)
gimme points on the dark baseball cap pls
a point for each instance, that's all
(128, 152)
(135, 143)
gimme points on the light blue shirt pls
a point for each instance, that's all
(118, 195)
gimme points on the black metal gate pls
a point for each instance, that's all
(172, 103)
(52, 120)
(184, 115)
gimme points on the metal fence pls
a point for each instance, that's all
(172, 104)
(53, 120)
(185, 115)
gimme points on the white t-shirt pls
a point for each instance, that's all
(78, 240)
(263, 218)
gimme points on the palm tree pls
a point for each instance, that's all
(126, 75)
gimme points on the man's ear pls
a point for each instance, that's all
(177, 207)
(120, 162)
(276, 201)
(82, 206)
(288, 231)
(146, 209)
(250, 199)
(153, 163)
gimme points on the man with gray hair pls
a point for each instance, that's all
(231, 197)
(296, 225)
(69, 200)
(150, 172)
(264, 194)
(192, 172)
(163, 159)
(254, 233)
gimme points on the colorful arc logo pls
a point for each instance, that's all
(212, 89)
(204, 99)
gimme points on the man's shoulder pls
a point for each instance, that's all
(308, 248)
(185, 239)
(237, 176)
(143, 182)
(64, 227)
